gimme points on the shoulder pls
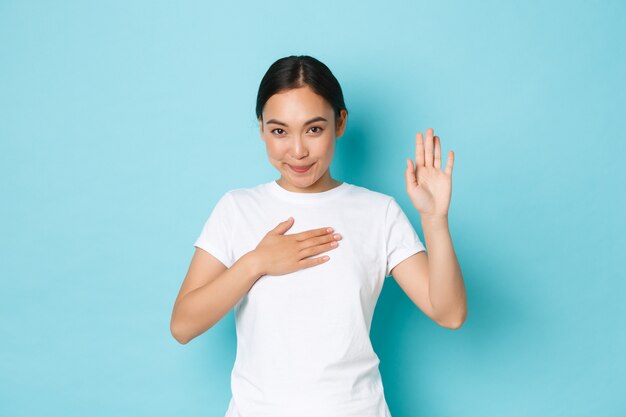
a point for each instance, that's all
(371, 197)
(379, 204)
(245, 194)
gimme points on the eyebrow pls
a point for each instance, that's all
(315, 119)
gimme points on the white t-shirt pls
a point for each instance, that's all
(303, 338)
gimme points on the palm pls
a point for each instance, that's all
(429, 188)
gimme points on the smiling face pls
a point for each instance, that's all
(299, 131)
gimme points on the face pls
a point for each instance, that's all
(299, 131)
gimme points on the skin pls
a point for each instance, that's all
(297, 143)
(432, 281)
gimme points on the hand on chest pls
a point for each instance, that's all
(355, 267)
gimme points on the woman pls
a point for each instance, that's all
(304, 300)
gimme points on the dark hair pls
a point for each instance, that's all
(298, 71)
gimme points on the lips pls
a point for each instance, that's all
(300, 169)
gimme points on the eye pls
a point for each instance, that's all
(276, 130)
(317, 127)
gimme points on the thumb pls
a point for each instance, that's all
(409, 175)
(283, 226)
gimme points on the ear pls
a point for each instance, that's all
(260, 120)
(342, 120)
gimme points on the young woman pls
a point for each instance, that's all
(303, 259)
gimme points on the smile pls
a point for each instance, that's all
(300, 170)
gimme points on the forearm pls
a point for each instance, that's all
(201, 308)
(446, 287)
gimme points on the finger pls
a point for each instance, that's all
(307, 234)
(419, 151)
(282, 227)
(307, 251)
(409, 174)
(319, 240)
(428, 148)
(450, 162)
(307, 263)
(437, 162)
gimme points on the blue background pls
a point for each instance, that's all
(122, 123)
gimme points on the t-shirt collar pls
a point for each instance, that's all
(295, 196)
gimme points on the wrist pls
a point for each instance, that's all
(434, 220)
(254, 264)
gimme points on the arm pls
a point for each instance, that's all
(209, 292)
(434, 281)
(445, 283)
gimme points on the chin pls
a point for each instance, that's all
(299, 181)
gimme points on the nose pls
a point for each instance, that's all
(299, 148)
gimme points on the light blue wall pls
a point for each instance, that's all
(121, 124)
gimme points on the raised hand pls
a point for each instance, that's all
(429, 188)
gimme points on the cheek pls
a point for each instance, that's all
(328, 147)
(274, 151)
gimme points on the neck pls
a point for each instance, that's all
(324, 183)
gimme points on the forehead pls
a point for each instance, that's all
(296, 104)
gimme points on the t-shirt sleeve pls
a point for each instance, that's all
(216, 234)
(401, 239)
